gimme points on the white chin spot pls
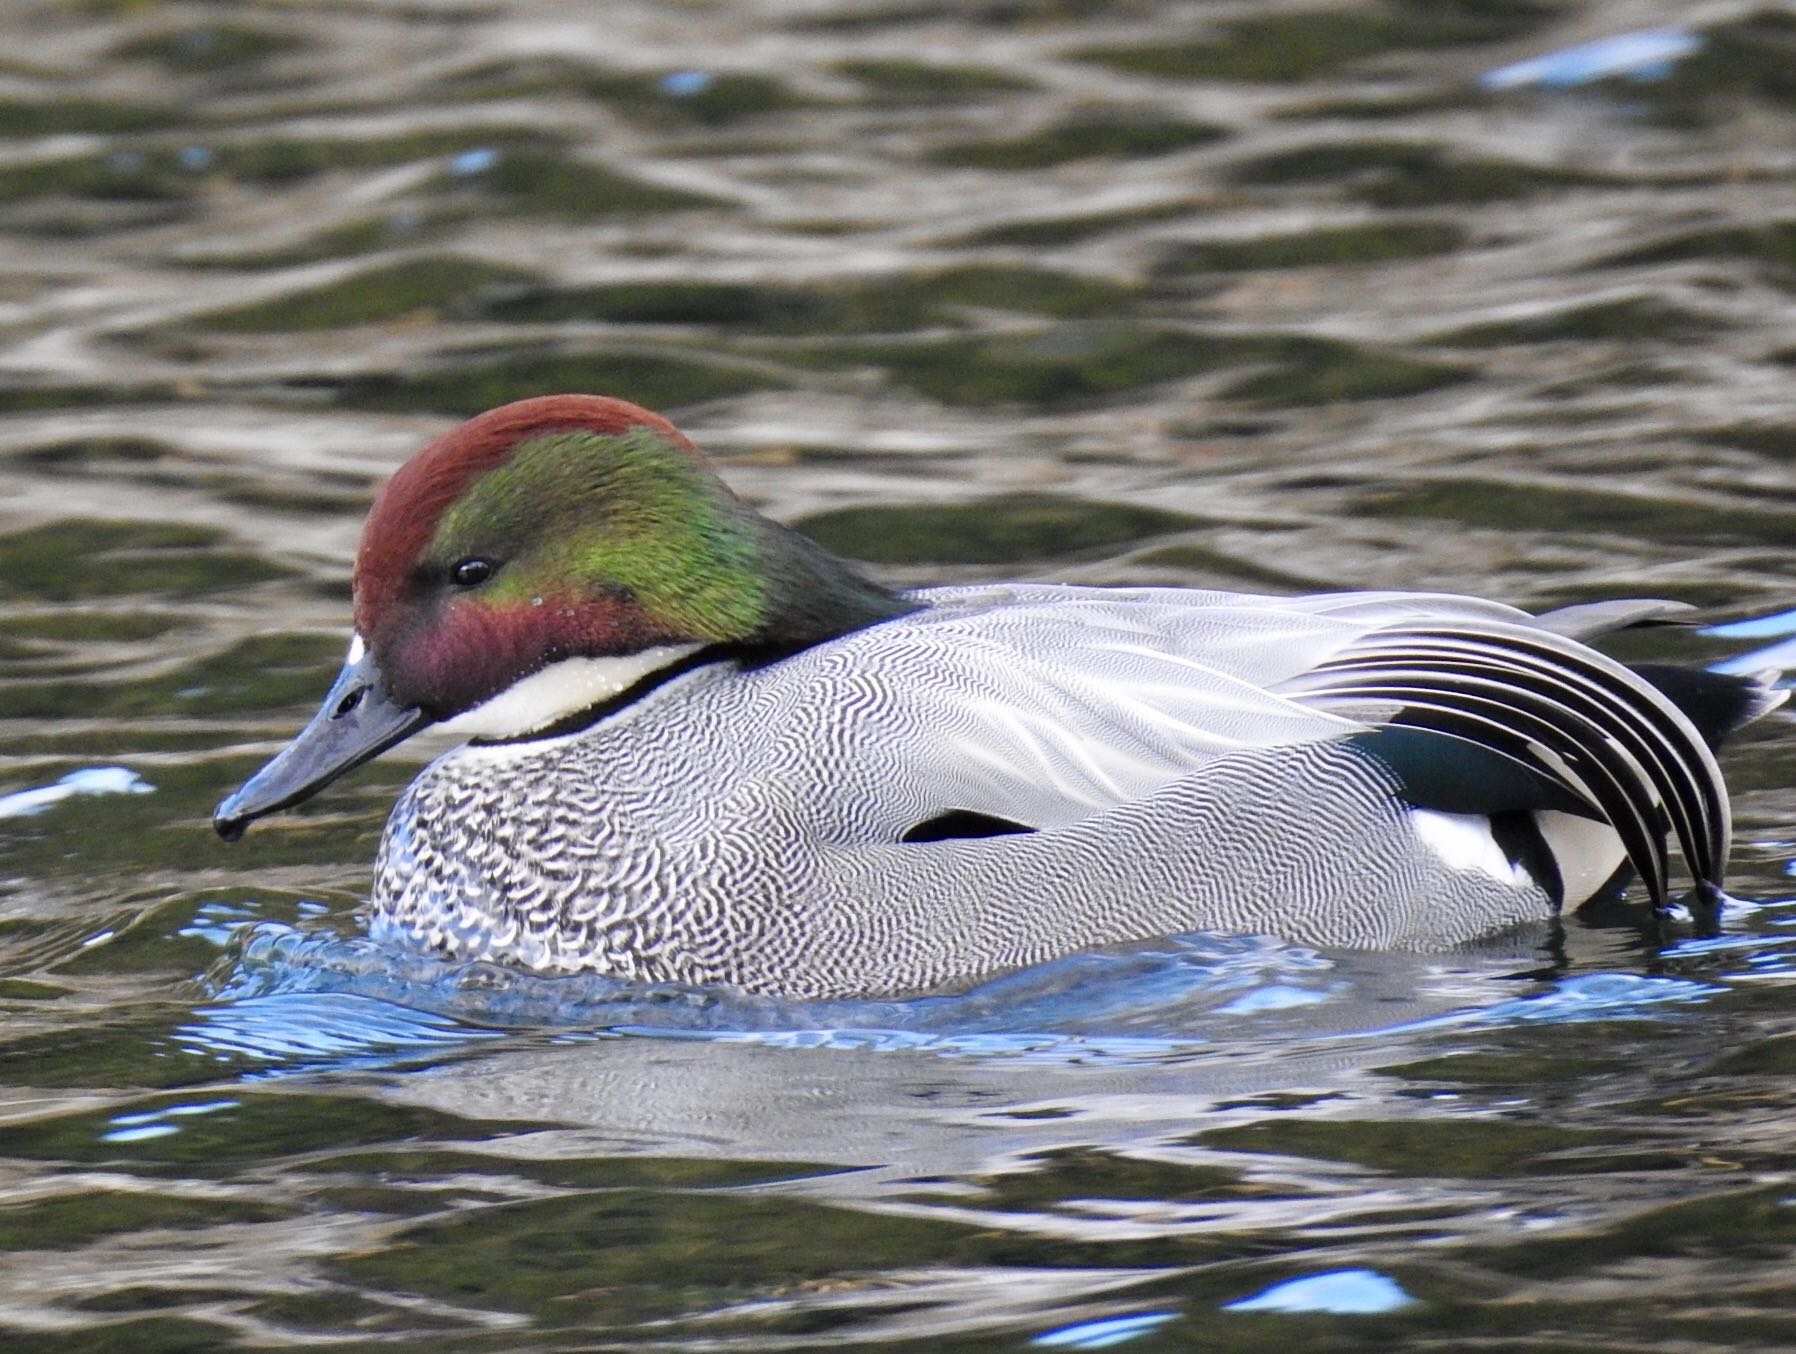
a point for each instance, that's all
(1463, 841)
(358, 650)
(560, 690)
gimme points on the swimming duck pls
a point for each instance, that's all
(702, 749)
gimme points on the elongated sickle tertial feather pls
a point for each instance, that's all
(1644, 721)
(1604, 734)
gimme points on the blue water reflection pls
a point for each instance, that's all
(1102, 1334)
(1648, 54)
(307, 1028)
(1345, 1292)
(89, 780)
(292, 997)
(1583, 997)
(145, 1125)
(1781, 627)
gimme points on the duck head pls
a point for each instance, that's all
(536, 565)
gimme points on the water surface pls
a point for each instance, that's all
(1378, 295)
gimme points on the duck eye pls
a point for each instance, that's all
(471, 572)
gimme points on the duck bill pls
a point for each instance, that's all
(358, 721)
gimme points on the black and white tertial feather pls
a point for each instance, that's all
(1625, 754)
(1010, 773)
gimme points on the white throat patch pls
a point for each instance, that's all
(560, 690)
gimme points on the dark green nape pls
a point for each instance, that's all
(813, 595)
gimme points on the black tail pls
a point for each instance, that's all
(1717, 703)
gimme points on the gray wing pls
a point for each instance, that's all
(1044, 705)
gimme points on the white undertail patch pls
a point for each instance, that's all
(1588, 852)
(1463, 841)
(562, 689)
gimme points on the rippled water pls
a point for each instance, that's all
(1258, 296)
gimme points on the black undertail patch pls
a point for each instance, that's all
(1518, 836)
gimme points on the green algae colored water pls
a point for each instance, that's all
(1278, 298)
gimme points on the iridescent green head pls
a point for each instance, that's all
(542, 560)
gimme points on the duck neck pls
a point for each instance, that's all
(815, 596)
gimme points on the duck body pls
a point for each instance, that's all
(863, 793)
(747, 825)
